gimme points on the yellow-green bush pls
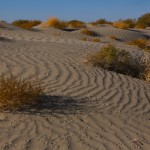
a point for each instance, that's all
(141, 43)
(113, 37)
(56, 23)
(121, 25)
(88, 32)
(101, 21)
(143, 21)
(76, 24)
(113, 59)
(17, 93)
(26, 24)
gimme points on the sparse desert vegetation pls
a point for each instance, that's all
(141, 43)
(113, 59)
(121, 25)
(56, 23)
(96, 40)
(76, 24)
(143, 21)
(101, 21)
(26, 24)
(113, 37)
(17, 93)
(88, 32)
(91, 40)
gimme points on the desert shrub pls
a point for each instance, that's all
(56, 23)
(113, 37)
(91, 40)
(121, 25)
(143, 21)
(76, 24)
(130, 22)
(84, 39)
(26, 24)
(17, 93)
(113, 59)
(95, 40)
(141, 43)
(88, 32)
(101, 21)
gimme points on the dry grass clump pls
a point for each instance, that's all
(88, 32)
(114, 59)
(96, 40)
(26, 24)
(91, 40)
(143, 21)
(100, 21)
(113, 37)
(76, 24)
(56, 23)
(121, 25)
(17, 93)
(141, 43)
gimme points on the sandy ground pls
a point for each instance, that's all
(86, 108)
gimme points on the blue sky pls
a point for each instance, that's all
(86, 10)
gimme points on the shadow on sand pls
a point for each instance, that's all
(48, 105)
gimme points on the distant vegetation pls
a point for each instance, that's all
(143, 21)
(76, 24)
(141, 43)
(56, 23)
(101, 21)
(88, 32)
(26, 24)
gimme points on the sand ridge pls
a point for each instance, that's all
(85, 108)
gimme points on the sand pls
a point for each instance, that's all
(86, 108)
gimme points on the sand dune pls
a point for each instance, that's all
(86, 108)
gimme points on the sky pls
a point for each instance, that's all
(85, 10)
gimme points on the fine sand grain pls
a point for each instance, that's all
(86, 108)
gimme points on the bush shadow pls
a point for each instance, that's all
(48, 105)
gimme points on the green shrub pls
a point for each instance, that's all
(131, 22)
(17, 93)
(144, 21)
(76, 24)
(26, 24)
(114, 59)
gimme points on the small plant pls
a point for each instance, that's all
(88, 32)
(84, 39)
(143, 21)
(113, 37)
(121, 25)
(91, 40)
(95, 40)
(26, 24)
(56, 23)
(17, 93)
(141, 43)
(114, 59)
(101, 21)
(76, 24)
